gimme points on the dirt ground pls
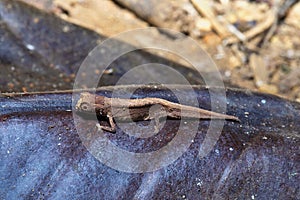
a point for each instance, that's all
(255, 44)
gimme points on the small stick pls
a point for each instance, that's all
(261, 27)
(204, 9)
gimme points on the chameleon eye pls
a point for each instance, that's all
(85, 106)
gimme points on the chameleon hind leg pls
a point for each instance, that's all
(157, 113)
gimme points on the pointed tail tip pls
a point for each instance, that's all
(233, 118)
(236, 119)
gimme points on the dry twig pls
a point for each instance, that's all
(205, 10)
(270, 18)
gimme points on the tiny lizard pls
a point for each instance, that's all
(139, 109)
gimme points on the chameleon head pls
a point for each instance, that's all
(90, 103)
(85, 103)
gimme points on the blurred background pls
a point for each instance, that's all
(255, 43)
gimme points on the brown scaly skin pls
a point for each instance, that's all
(139, 109)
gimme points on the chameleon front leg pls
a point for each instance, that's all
(111, 128)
